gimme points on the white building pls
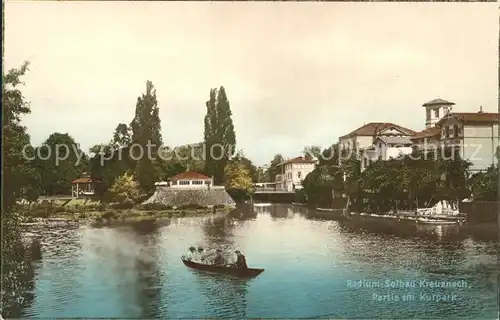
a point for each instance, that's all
(188, 180)
(374, 141)
(385, 148)
(435, 110)
(293, 172)
(362, 137)
(473, 135)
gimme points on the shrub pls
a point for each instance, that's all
(83, 215)
(59, 210)
(125, 190)
(108, 215)
(101, 207)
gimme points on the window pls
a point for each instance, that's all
(447, 132)
(197, 182)
(436, 113)
(456, 130)
(184, 182)
(299, 174)
(428, 114)
(207, 182)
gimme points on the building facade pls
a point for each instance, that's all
(474, 136)
(435, 110)
(293, 172)
(364, 141)
(83, 186)
(385, 148)
(188, 180)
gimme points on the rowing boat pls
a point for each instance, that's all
(237, 272)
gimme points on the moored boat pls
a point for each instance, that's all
(237, 272)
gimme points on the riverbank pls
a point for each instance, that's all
(96, 213)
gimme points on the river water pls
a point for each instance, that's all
(313, 268)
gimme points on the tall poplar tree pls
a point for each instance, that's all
(220, 138)
(146, 127)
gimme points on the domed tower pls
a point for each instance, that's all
(435, 110)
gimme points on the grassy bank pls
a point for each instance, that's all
(79, 210)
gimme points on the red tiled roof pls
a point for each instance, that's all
(427, 133)
(300, 159)
(438, 101)
(373, 127)
(82, 180)
(474, 117)
(190, 175)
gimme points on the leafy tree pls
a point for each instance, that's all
(414, 181)
(59, 161)
(189, 156)
(312, 151)
(238, 180)
(247, 163)
(219, 135)
(17, 174)
(484, 185)
(17, 170)
(146, 130)
(330, 156)
(262, 175)
(107, 164)
(318, 185)
(122, 136)
(125, 190)
(274, 168)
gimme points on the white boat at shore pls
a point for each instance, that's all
(443, 213)
(436, 221)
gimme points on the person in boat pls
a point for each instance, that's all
(190, 255)
(241, 261)
(219, 259)
(201, 254)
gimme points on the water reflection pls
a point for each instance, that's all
(245, 212)
(19, 263)
(223, 293)
(377, 227)
(280, 211)
(150, 278)
(218, 231)
(135, 270)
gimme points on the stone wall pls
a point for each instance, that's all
(181, 197)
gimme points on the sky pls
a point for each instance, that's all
(295, 73)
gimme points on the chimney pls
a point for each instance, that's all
(480, 109)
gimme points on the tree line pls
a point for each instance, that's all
(31, 171)
(412, 181)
